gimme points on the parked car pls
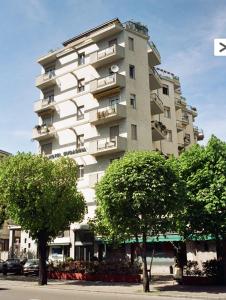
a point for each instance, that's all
(31, 267)
(1, 265)
(12, 265)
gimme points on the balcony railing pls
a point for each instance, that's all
(43, 132)
(154, 57)
(185, 119)
(179, 125)
(44, 105)
(137, 27)
(154, 79)
(181, 148)
(173, 77)
(107, 114)
(156, 104)
(100, 85)
(192, 110)
(180, 103)
(107, 56)
(159, 130)
(187, 139)
(199, 134)
(46, 80)
(108, 145)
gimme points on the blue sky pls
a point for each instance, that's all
(183, 31)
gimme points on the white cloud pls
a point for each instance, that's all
(196, 55)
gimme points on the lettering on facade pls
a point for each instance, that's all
(67, 153)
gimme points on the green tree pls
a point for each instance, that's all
(41, 196)
(204, 170)
(138, 196)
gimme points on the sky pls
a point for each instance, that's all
(183, 31)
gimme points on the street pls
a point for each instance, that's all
(48, 293)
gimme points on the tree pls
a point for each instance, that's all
(138, 196)
(204, 170)
(41, 196)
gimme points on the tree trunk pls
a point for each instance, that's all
(42, 246)
(221, 257)
(145, 271)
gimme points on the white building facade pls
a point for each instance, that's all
(100, 96)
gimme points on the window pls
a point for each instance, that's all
(29, 245)
(81, 171)
(132, 71)
(133, 100)
(80, 112)
(165, 90)
(114, 100)
(46, 149)
(112, 42)
(49, 96)
(50, 70)
(80, 141)
(25, 241)
(57, 250)
(47, 120)
(167, 113)
(133, 132)
(81, 58)
(169, 136)
(81, 85)
(114, 132)
(131, 44)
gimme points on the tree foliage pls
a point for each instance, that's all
(204, 170)
(41, 195)
(139, 195)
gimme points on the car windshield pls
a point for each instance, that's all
(31, 262)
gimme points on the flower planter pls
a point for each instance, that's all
(94, 277)
(199, 280)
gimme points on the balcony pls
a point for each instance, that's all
(95, 178)
(187, 139)
(111, 82)
(185, 120)
(154, 79)
(159, 131)
(44, 105)
(107, 114)
(179, 125)
(46, 80)
(192, 110)
(175, 79)
(154, 57)
(180, 103)
(181, 148)
(108, 146)
(48, 58)
(107, 56)
(199, 134)
(43, 132)
(156, 105)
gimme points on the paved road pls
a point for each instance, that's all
(45, 293)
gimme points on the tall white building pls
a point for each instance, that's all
(101, 95)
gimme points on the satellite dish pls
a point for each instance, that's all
(114, 68)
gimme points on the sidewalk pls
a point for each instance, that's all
(161, 286)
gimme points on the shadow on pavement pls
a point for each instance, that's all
(167, 284)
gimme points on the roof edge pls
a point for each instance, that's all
(88, 32)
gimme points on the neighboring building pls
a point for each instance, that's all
(101, 95)
(9, 240)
